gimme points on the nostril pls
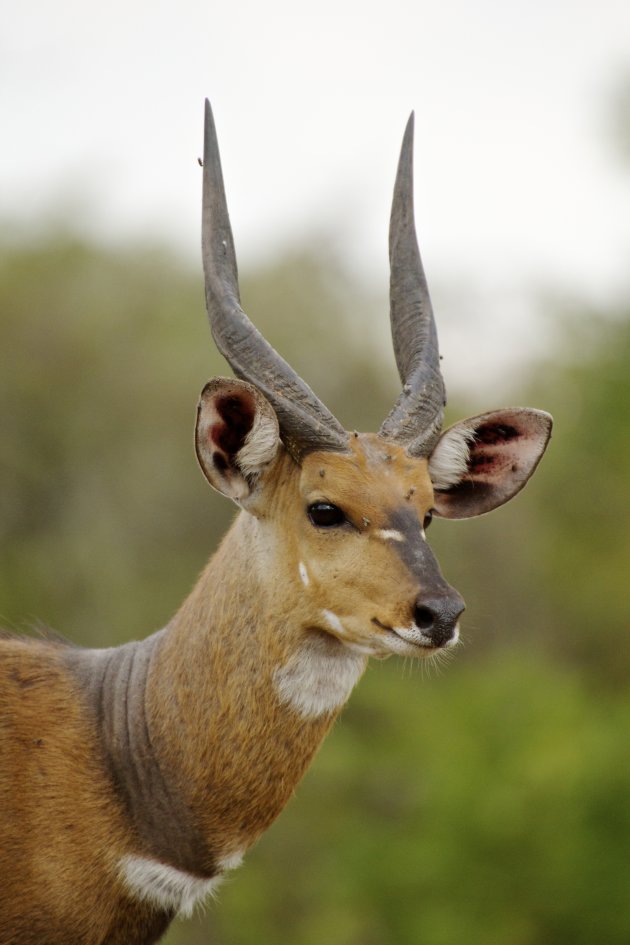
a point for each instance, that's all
(436, 616)
(424, 617)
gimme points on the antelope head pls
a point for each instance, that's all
(342, 517)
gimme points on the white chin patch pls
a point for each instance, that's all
(403, 638)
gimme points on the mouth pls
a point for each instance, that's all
(412, 639)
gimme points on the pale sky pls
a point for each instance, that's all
(517, 182)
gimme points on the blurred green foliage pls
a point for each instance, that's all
(488, 803)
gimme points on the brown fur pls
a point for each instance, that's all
(217, 727)
(102, 752)
(252, 749)
(61, 830)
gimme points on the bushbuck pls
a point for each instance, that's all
(133, 777)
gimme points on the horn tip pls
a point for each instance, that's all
(210, 144)
(208, 116)
(409, 129)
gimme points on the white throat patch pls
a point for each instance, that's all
(319, 677)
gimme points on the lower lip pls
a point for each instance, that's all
(419, 643)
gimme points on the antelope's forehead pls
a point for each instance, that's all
(375, 476)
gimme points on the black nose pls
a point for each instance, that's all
(437, 615)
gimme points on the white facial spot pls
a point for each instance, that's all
(304, 574)
(334, 622)
(389, 534)
(319, 677)
(163, 885)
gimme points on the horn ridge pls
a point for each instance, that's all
(417, 416)
(305, 423)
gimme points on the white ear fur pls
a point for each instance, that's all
(448, 464)
(261, 444)
(480, 463)
(236, 436)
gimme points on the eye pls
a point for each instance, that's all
(325, 515)
(428, 518)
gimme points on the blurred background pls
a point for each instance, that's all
(485, 801)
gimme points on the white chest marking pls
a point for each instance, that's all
(232, 860)
(319, 677)
(167, 887)
(389, 534)
(304, 574)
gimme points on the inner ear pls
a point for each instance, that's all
(236, 435)
(234, 418)
(480, 463)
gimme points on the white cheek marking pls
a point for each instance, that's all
(389, 534)
(334, 622)
(319, 678)
(304, 574)
(164, 886)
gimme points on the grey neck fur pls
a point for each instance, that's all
(114, 682)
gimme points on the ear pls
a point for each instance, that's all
(236, 436)
(480, 463)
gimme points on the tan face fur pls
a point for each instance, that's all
(362, 580)
(365, 575)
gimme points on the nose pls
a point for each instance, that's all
(437, 615)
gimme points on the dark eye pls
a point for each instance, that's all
(325, 515)
(428, 518)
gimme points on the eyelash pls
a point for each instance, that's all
(328, 515)
(325, 515)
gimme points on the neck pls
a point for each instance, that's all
(209, 725)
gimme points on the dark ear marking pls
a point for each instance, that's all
(492, 433)
(480, 463)
(236, 419)
(219, 461)
(236, 436)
